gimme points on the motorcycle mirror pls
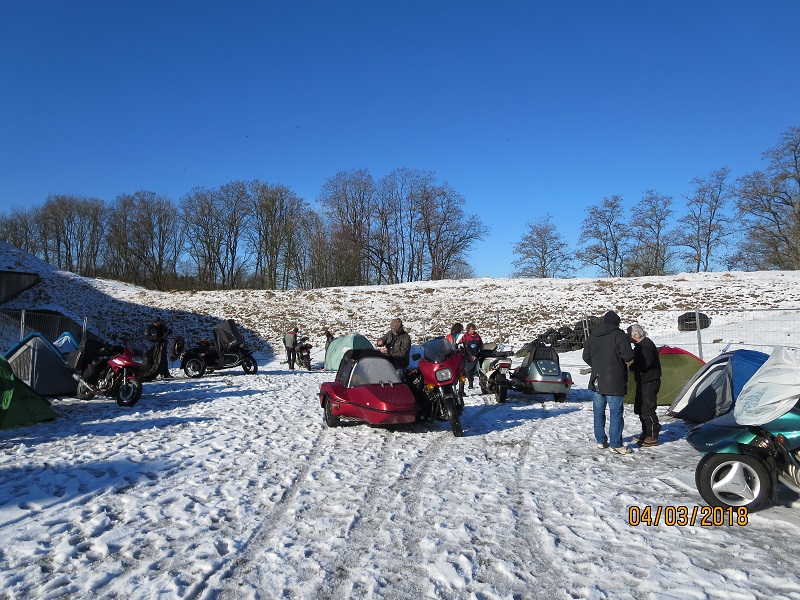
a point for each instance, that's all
(416, 356)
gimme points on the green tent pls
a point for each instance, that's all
(677, 367)
(19, 404)
(340, 345)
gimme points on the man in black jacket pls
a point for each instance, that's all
(646, 367)
(396, 344)
(607, 351)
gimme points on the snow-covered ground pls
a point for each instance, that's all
(231, 486)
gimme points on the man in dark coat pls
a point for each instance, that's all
(396, 344)
(607, 351)
(157, 333)
(646, 367)
(290, 345)
(472, 344)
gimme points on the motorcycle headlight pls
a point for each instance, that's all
(443, 375)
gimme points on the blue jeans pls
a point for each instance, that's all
(616, 422)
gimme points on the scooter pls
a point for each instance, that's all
(434, 381)
(493, 367)
(107, 370)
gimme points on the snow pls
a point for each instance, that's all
(231, 486)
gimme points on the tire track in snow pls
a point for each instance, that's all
(223, 582)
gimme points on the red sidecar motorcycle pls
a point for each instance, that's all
(367, 388)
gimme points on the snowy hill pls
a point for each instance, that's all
(519, 309)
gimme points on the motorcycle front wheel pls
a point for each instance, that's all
(194, 367)
(249, 364)
(732, 480)
(129, 392)
(452, 416)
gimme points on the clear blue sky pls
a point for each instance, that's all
(523, 107)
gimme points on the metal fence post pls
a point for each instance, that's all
(22, 324)
(699, 334)
(83, 332)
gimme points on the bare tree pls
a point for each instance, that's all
(705, 226)
(607, 238)
(71, 231)
(769, 203)
(448, 232)
(347, 199)
(651, 242)
(542, 251)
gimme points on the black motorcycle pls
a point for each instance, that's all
(225, 351)
(303, 349)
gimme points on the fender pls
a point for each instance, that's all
(730, 447)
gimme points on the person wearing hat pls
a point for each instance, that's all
(157, 333)
(646, 368)
(608, 351)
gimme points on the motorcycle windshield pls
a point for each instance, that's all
(438, 350)
(772, 390)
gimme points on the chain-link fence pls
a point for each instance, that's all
(718, 330)
(16, 324)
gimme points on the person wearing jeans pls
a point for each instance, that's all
(608, 351)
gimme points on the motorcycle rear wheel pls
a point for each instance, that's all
(84, 392)
(249, 364)
(500, 393)
(732, 480)
(452, 416)
(129, 392)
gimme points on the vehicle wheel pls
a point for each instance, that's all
(331, 420)
(560, 397)
(194, 367)
(84, 391)
(732, 480)
(500, 393)
(249, 364)
(452, 416)
(484, 389)
(307, 360)
(129, 392)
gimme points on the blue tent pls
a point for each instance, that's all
(714, 388)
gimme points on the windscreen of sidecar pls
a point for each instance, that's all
(373, 370)
(438, 349)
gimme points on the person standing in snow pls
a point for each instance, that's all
(473, 344)
(608, 352)
(290, 344)
(646, 368)
(157, 332)
(396, 344)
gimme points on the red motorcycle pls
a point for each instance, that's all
(303, 349)
(435, 380)
(107, 370)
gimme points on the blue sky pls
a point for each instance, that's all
(525, 108)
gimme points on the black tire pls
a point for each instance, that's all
(500, 393)
(560, 397)
(307, 362)
(84, 392)
(129, 391)
(331, 420)
(452, 416)
(194, 367)
(732, 480)
(250, 365)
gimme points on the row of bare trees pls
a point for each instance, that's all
(405, 227)
(752, 223)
